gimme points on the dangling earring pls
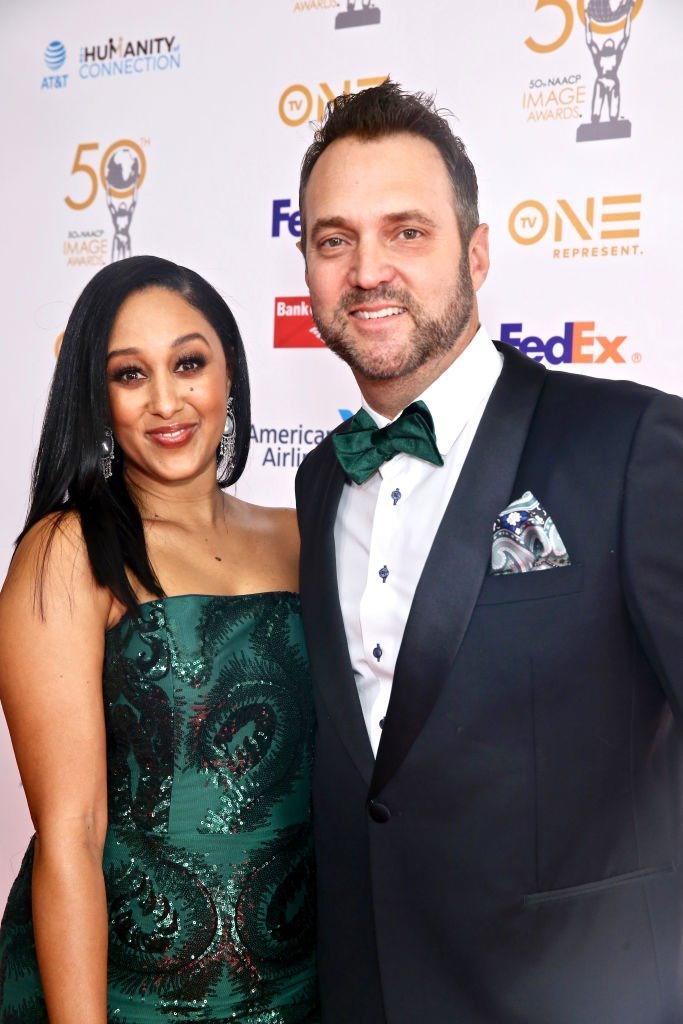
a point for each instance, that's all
(107, 455)
(226, 448)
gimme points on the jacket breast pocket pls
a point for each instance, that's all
(603, 885)
(532, 586)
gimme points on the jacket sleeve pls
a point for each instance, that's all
(652, 541)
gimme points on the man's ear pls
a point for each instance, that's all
(478, 255)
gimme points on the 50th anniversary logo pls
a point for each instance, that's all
(117, 175)
(597, 33)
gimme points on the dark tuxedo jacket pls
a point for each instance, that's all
(513, 855)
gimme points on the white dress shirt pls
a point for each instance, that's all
(385, 527)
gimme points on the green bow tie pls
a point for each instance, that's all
(363, 446)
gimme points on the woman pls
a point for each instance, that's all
(155, 684)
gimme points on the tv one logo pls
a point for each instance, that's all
(579, 342)
(598, 226)
(299, 103)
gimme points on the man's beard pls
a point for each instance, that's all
(430, 339)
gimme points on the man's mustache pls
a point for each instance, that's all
(366, 296)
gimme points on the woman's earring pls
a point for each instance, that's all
(107, 455)
(226, 448)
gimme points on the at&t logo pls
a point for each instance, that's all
(586, 229)
(54, 57)
(299, 103)
(578, 343)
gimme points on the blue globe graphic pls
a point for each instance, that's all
(55, 55)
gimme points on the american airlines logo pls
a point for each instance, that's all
(294, 327)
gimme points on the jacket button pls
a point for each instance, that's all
(379, 812)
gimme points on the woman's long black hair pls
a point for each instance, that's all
(67, 474)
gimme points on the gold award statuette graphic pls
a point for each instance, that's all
(601, 17)
(358, 13)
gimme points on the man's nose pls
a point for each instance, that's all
(371, 265)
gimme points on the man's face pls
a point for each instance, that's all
(391, 287)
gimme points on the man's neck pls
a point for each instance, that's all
(390, 397)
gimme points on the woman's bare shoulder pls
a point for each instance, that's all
(272, 535)
(50, 562)
(266, 518)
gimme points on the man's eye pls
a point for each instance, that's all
(410, 234)
(332, 243)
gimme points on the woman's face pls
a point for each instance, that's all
(168, 384)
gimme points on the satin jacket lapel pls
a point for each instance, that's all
(326, 637)
(458, 562)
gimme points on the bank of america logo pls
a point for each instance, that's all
(55, 55)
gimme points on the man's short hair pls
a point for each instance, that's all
(387, 110)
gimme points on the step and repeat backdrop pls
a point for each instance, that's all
(178, 129)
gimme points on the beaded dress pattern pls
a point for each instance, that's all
(208, 858)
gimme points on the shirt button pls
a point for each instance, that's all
(383, 573)
(381, 722)
(378, 652)
(396, 496)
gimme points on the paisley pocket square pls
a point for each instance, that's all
(526, 539)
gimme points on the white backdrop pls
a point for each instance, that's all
(207, 106)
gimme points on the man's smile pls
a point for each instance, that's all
(377, 314)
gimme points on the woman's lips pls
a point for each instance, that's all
(175, 435)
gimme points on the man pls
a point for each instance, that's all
(498, 782)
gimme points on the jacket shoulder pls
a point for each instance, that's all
(582, 391)
(318, 456)
(599, 399)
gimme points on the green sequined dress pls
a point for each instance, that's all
(208, 858)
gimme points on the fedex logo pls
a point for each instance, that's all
(283, 215)
(578, 343)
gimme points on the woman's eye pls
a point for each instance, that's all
(189, 363)
(127, 374)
